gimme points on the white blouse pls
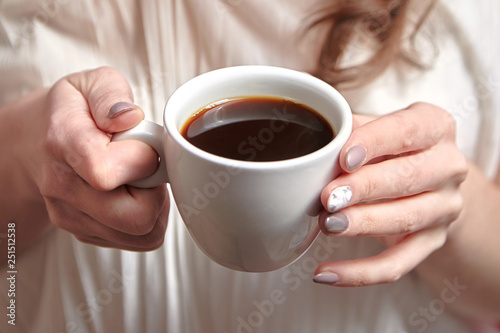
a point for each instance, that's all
(66, 286)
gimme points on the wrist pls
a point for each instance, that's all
(19, 125)
(20, 199)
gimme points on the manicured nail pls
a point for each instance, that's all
(339, 198)
(336, 223)
(326, 278)
(119, 108)
(355, 156)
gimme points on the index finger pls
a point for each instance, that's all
(418, 127)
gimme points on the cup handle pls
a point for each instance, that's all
(152, 134)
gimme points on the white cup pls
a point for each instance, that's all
(248, 216)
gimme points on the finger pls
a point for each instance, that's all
(398, 177)
(395, 217)
(109, 99)
(418, 127)
(88, 230)
(106, 237)
(126, 209)
(73, 134)
(386, 267)
(104, 243)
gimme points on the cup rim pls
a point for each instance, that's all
(340, 138)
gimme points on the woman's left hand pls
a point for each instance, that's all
(401, 184)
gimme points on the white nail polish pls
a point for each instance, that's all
(339, 198)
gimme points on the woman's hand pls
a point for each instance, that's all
(64, 154)
(401, 184)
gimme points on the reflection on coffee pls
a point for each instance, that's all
(258, 128)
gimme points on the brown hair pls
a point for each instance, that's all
(380, 25)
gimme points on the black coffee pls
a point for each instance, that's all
(258, 129)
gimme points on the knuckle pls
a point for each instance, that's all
(393, 273)
(99, 170)
(87, 240)
(101, 72)
(135, 220)
(97, 177)
(439, 240)
(461, 169)
(98, 173)
(144, 226)
(449, 122)
(444, 123)
(407, 222)
(58, 222)
(406, 183)
(408, 131)
(155, 239)
(419, 105)
(456, 208)
(136, 212)
(360, 278)
(106, 70)
(370, 186)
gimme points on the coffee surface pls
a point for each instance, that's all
(258, 129)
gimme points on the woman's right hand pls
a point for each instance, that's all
(58, 148)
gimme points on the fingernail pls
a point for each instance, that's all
(119, 108)
(336, 223)
(339, 198)
(326, 278)
(355, 156)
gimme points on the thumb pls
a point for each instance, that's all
(106, 107)
(110, 99)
